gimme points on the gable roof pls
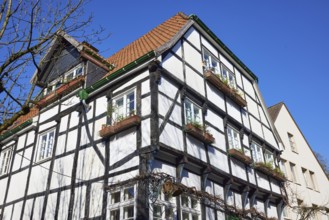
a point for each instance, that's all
(274, 110)
(151, 41)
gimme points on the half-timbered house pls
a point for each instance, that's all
(173, 126)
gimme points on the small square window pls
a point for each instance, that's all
(128, 212)
(115, 214)
(257, 152)
(129, 193)
(115, 197)
(193, 113)
(292, 143)
(233, 138)
(123, 106)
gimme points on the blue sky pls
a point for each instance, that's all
(285, 43)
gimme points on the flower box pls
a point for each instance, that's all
(269, 171)
(109, 130)
(199, 134)
(219, 84)
(240, 156)
(61, 91)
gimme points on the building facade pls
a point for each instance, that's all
(173, 126)
(307, 184)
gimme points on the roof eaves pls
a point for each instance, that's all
(205, 28)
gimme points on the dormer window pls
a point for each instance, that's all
(74, 73)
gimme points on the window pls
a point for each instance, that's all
(122, 204)
(228, 76)
(283, 167)
(257, 153)
(233, 138)
(5, 158)
(292, 143)
(269, 157)
(293, 172)
(164, 208)
(192, 113)
(124, 106)
(313, 180)
(46, 144)
(304, 171)
(210, 62)
(190, 208)
(74, 73)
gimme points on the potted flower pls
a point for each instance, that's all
(240, 155)
(200, 132)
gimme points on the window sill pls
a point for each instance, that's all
(109, 130)
(199, 134)
(219, 84)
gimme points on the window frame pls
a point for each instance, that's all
(208, 65)
(123, 202)
(231, 132)
(6, 156)
(40, 139)
(271, 161)
(293, 176)
(256, 157)
(189, 209)
(292, 143)
(194, 107)
(165, 203)
(115, 116)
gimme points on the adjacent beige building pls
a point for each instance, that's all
(307, 183)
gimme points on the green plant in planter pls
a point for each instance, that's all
(197, 125)
(278, 171)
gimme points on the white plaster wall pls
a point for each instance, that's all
(70, 102)
(272, 211)
(62, 172)
(195, 81)
(238, 77)
(127, 139)
(215, 120)
(51, 206)
(79, 202)
(196, 148)
(145, 87)
(101, 105)
(30, 138)
(191, 180)
(123, 177)
(256, 126)
(275, 186)
(207, 45)
(262, 116)
(238, 169)
(193, 57)
(64, 201)
(98, 127)
(158, 166)
(259, 205)
(252, 107)
(262, 181)
(248, 87)
(38, 178)
(245, 140)
(164, 106)
(17, 210)
(46, 126)
(210, 214)
(245, 118)
(89, 165)
(177, 49)
(132, 80)
(3, 187)
(146, 106)
(72, 140)
(172, 136)
(174, 66)
(74, 121)
(193, 37)
(251, 175)
(27, 157)
(215, 96)
(226, 62)
(233, 110)
(238, 200)
(168, 88)
(96, 199)
(60, 146)
(17, 161)
(63, 123)
(269, 137)
(304, 158)
(146, 130)
(37, 210)
(219, 138)
(28, 209)
(49, 113)
(218, 159)
(21, 141)
(7, 212)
